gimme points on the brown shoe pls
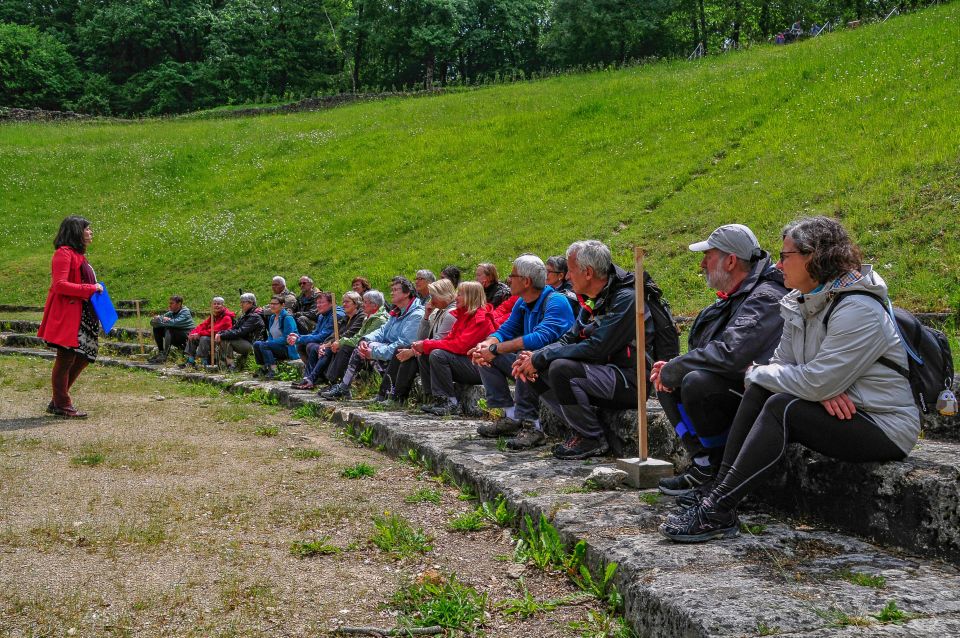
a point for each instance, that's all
(503, 426)
(306, 384)
(68, 412)
(527, 438)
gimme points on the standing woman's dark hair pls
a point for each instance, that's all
(69, 322)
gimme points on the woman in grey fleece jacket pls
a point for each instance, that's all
(824, 387)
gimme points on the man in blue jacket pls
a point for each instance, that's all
(378, 347)
(540, 317)
(308, 345)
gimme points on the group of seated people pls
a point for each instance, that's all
(762, 369)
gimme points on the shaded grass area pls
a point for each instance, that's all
(860, 125)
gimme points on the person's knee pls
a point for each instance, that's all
(775, 406)
(440, 356)
(562, 370)
(696, 384)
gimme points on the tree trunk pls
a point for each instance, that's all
(703, 24)
(737, 21)
(428, 74)
(358, 49)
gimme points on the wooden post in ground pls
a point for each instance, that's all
(336, 326)
(136, 304)
(642, 472)
(213, 343)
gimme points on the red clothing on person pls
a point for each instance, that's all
(468, 330)
(502, 312)
(61, 313)
(225, 322)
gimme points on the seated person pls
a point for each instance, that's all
(279, 288)
(595, 362)
(828, 387)
(308, 346)
(379, 347)
(274, 346)
(360, 286)
(444, 362)
(495, 291)
(557, 279)
(540, 317)
(198, 341)
(453, 274)
(319, 355)
(438, 319)
(235, 344)
(375, 315)
(700, 391)
(423, 279)
(171, 329)
(306, 315)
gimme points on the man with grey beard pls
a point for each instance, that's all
(701, 390)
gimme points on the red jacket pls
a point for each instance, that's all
(61, 313)
(502, 312)
(468, 330)
(225, 322)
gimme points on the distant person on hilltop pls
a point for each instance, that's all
(279, 288)
(236, 344)
(274, 346)
(306, 313)
(171, 329)
(198, 341)
(495, 290)
(700, 391)
(69, 322)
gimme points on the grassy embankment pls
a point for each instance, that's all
(860, 124)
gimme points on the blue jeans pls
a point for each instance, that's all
(267, 354)
(316, 366)
(497, 390)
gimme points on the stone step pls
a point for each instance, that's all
(114, 347)
(779, 578)
(25, 326)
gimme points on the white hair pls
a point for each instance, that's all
(249, 296)
(280, 279)
(532, 267)
(374, 296)
(591, 253)
(218, 300)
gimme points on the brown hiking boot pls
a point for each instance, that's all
(503, 426)
(528, 437)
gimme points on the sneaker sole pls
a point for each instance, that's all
(726, 532)
(584, 455)
(673, 491)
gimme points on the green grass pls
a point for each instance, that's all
(319, 547)
(358, 471)
(394, 535)
(860, 124)
(469, 522)
(423, 495)
(864, 580)
(447, 603)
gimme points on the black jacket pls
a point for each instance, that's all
(730, 334)
(247, 326)
(605, 335)
(567, 291)
(497, 293)
(349, 326)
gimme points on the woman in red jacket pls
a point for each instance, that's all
(69, 323)
(445, 361)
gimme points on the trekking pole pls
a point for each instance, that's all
(136, 304)
(643, 471)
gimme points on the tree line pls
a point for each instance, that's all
(150, 57)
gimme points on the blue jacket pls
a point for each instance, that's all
(324, 329)
(550, 317)
(399, 331)
(289, 325)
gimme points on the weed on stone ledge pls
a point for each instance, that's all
(864, 580)
(763, 629)
(310, 411)
(497, 512)
(651, 498)
(892, 614)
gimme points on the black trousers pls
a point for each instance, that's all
(709, 402)
(166, 337)
(443, 369)
(766, 423)
(398, 379)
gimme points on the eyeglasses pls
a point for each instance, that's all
(274, 303)
(789, 252)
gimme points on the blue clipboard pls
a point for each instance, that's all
(103, 306)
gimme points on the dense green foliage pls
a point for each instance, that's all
(860, 124)
(168, 56)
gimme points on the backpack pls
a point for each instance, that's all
(929, 360)
(664, 343)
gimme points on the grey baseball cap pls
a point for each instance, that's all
(734, 239)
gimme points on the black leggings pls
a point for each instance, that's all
(767, 422)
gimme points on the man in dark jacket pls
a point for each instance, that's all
(594, 364)
(235, 344)
(306, 315)
(701, 390)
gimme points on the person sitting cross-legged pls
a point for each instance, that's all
(274, 347)
(171, 329)
(309, 347)
(319, 355)
(379, 347)
(594, 364)
(438, 319)
(701, 390)
(374, 316)
(837, 382)
(235, 344)
(444, 362)
(541, 316)
(198, 341)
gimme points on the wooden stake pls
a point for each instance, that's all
(336, 324)
(641, 355)
(136, 304)
(213, 343)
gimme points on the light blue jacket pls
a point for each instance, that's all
(399, 332)
(289, 325)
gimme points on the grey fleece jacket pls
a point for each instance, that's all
(814, 364)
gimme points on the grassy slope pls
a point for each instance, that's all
(861, 124)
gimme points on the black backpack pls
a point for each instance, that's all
(664, 343)
(929, 359)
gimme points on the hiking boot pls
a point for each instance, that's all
(701, 523)
(504, 426)
(157, 359)
(578, 447)
(68, 412)
(528, 437)
(444, 407)
(270, 374)
(336, 392)
(694, 477)
(304, 384)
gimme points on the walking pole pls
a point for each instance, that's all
(642, 472)
(136, 304)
